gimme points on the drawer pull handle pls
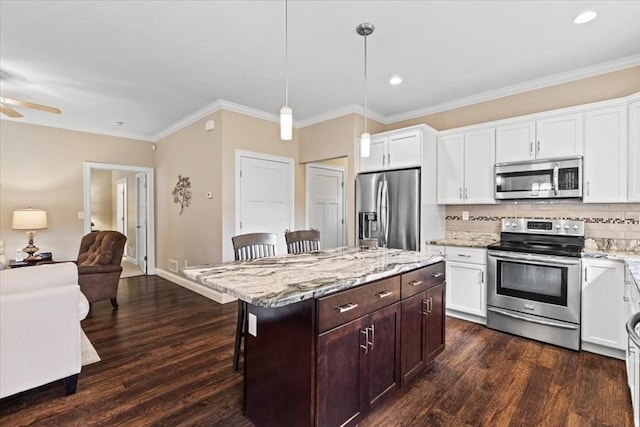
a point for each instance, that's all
(384, 294)
(436, 275)
(464, 255)
(346, 307)
(415, 282)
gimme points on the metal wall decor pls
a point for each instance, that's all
(182, 193)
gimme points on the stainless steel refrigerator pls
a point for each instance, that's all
(388, 208)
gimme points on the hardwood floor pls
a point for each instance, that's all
(167, 354)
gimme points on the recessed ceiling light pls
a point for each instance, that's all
(584, 17)
(395, 80)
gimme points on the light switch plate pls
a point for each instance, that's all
(253, 325)
(465, 215)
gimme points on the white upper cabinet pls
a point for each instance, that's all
(393, 150)
(634, 152)
(465, 167)
(605, 156)
(515, 142)
(554, 137)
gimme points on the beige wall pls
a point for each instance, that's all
(598, 88)
(42, 167)
(102, 209)
(194, 235)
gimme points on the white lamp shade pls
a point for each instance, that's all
(286, 123)
(365, 144)
(29, 219)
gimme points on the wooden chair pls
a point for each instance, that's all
(302, 241)
(247, 247)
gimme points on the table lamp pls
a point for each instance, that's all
(30, 220)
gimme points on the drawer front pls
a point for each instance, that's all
(422, 279)
(335, 310)
(471, 255)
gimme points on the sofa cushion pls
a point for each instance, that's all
(38, 277)
(101, 251)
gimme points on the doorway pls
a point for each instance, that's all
(140, 244)
(121, 209)
(264, 195)
(325, 195)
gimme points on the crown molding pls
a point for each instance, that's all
(569, 76)
(343, 111)
(118, 134)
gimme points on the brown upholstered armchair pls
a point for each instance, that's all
(99, 268)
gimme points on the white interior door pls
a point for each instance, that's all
(141, 223)
(265, 196)
(325, 204)
(121, 208)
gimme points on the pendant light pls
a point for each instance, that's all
(286, 114)
(365, 139)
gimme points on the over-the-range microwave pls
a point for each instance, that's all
(539, 179)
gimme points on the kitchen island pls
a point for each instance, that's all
(331, 334)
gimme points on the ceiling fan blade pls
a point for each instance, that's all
(9, 111)
(18, 103)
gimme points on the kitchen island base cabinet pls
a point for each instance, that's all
(358, 366)
(422, 330)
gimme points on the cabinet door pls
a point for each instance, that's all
(515, 142)
(559, 136)
(467, 289)
(603, 311)
(340, 378)
(404, 150)
(634, 152)
(413, 336)
(450, 169)
(383, 358)
(377, 159)
(605, 156)
(434, 330)
(479, 160)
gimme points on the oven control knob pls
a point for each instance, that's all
(558, 226)
(575, 227)
(566, 227)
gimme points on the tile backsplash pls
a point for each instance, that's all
(619, 221)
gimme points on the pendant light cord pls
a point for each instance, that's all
(286, 57)
(365, 83)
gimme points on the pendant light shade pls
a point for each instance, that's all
(286, 123)
(286, 113)
(365, 30)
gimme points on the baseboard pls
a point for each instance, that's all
(467, 317)
(217, 296)
(603, 350)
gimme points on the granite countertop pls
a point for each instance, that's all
(287, 279)
(467, 239)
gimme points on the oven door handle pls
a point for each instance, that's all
(527, 257)
(526, 319)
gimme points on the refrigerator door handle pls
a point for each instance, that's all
(379, 206)
(386, 213)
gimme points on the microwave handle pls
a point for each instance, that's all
(556, 169)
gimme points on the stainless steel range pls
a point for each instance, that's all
(534, 280)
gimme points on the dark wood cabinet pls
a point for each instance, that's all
(422, 319)
(434, 320)
(358, 366)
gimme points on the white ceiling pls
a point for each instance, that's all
(155, 64)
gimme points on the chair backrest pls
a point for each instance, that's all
(254, 245)
(302, 241)
(101, 248)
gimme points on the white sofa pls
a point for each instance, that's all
(40, 312)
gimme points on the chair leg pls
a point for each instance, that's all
(70, 384)
(114, 303)
(242, 316)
